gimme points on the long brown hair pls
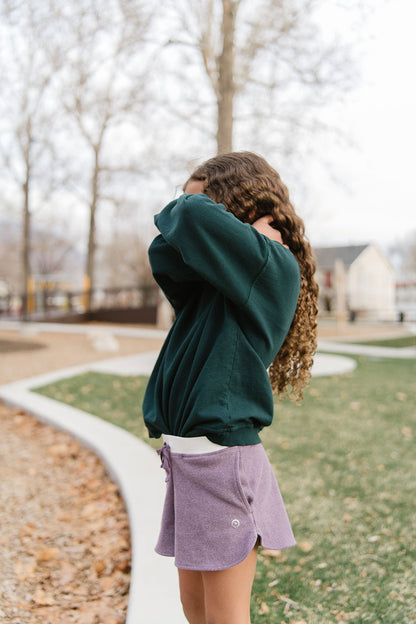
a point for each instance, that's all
(249, 188)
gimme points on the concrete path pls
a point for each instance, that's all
(142, 364)
(78, 328)
(370, 351)
(134, 465)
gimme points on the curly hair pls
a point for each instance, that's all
(250, 188)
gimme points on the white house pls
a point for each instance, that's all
(357, 281)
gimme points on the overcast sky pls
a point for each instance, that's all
(378, 203)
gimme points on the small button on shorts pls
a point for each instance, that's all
(218, 504)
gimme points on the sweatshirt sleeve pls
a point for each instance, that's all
(176, 279)
(222, 250)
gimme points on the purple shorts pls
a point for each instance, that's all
(218, 504)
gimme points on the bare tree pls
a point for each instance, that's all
(103, 95)
(267, 65)
(404, 252)
(27, 109)
(10, 255)
(125, 261)
(50, 252)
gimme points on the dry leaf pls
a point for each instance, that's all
(90, 510)
(276, 554)
(64, 517)
(108, 583)
(122, 544)
(264, 609)
(59, 450)
(122, 566)
(93, 484)
(27, 529)
(43, 599)
(305, 546)
(24, 571)
(67, 573)
(47, 554)
(99, 566)
(395, 596)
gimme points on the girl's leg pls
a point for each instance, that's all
(228, 592)
(191, 588)
(221, 597)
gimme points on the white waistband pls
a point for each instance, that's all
(191, 446)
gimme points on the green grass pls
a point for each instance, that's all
(402, 341)
(111, 397)
(346, 464)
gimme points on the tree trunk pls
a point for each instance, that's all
(26, 249)
(226, 86)
(26, 230)
(89, 271)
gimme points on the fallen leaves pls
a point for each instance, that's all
(407, 433)
(275, 554)
(99, 566)
(40, 597)
(47, 554)
(25, 570)
(396, 596)
(65, 544)
(264, 609)
(305, 547)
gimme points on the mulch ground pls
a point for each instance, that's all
(64, 534)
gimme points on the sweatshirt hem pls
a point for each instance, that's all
(236, 437)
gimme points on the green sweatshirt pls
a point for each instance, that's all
(234, 292)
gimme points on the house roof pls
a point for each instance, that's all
(326, 256)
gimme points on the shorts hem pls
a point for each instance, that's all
(218, 568)
(287, 545)
(163, 554)
(212, 568)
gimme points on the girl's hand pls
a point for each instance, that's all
(263, 226)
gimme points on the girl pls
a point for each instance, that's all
(233, 261)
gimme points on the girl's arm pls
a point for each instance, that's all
(176, 279)
(222, 250)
